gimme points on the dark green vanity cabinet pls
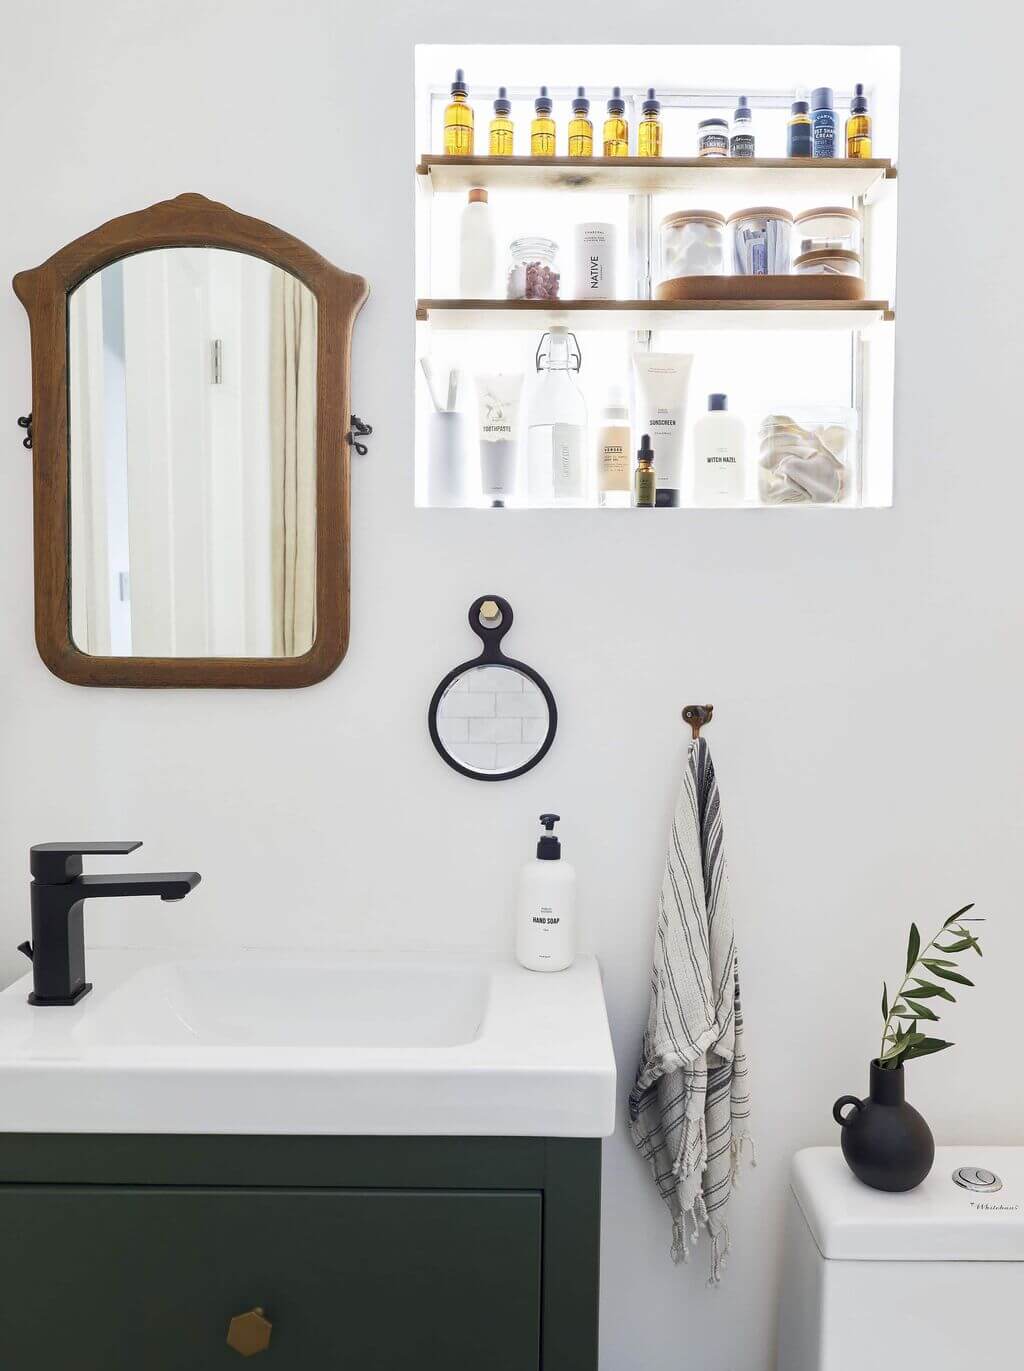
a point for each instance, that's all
(133, 1252)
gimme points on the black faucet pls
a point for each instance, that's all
(57, 949)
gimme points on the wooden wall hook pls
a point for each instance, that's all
(697, 716)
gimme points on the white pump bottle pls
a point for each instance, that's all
(546, 915)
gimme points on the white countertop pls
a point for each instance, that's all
(314, 1042)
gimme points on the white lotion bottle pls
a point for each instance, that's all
(546, 915)
(719, 453)
(478, 255)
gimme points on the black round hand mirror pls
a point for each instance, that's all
(492, 718)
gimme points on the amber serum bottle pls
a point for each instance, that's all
(581, 130)
(616, 129)
(648, 135)
(458, 121)
(858, 126)
(501, 133)
(645, 481)
(542, 130)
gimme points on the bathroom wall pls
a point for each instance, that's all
(866, 667)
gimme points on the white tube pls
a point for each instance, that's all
(498, 427)
(663, 379)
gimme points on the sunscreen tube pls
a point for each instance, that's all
(662, 382)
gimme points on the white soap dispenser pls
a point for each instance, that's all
(546, 916)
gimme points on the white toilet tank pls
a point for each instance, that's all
(930, 1280)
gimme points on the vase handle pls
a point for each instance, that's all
(840, 1105)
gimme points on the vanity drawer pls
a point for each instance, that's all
(126, 1278)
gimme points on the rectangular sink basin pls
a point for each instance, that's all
(337, 1043)
(227, 1003)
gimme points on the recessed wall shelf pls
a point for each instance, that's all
(829, 179)
(653, 314)
(818, 348)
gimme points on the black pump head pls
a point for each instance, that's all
(718, 401)
(651, 105)
(549, 849)
(581, 105)
(742, 108)
(459, 84)
(645, 452)
(543, 104)
(503, 105)
(616, 105)
(859, 103)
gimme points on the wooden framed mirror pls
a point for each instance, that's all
(189, 427)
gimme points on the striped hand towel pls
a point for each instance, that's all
(689, 1109)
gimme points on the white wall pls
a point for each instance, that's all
(866, 668)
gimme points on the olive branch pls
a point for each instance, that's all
(901, 1038)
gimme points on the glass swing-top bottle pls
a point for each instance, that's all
(557, 425)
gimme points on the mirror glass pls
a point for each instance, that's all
(192, 427)
(492, 719)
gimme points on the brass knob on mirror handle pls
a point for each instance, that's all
(249, 1333)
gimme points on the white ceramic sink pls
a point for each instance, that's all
(268, 1042)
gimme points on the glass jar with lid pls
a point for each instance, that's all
(533, 269)
(692, 243)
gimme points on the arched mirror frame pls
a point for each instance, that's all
(187, 221)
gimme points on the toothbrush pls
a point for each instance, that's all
(428, 373)
(453, 388)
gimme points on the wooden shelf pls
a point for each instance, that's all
(653, 314)
(826, 179)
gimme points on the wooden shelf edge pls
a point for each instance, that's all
(424, 306)
(883, 165)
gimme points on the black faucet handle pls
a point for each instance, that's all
(58, 863)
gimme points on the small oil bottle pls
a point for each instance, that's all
(645, 481)
(581, 130)
(616, 129)
(798, 129)
(500, 143)
(542, 130)
(648, 138)
(858, 126)
(458, 121)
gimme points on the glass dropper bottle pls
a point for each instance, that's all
(649, 132)
(458, 120)
(581, 130)
(542, 130)
(501, 136)
(616, 130)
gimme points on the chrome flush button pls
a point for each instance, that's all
(977, 1178)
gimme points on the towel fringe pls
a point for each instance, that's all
(736, 1155)
(721, 1244)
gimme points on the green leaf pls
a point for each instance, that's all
(961, 945)
(953, 917)
(913, 947)
(924, 989)
(926, 1047)
(945, 974)
(922, 1011)
(885, 1001)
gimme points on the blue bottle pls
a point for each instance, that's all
(823, 123)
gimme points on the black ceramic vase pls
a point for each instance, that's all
(886, 1143)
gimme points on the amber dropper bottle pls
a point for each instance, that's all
(458, 121)
(616, 130)
(648, 135)
(858, 126)
(542, 130)
(645, 481)
(501, 139)
(581, 130)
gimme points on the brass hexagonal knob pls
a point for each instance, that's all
(250, 1333)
